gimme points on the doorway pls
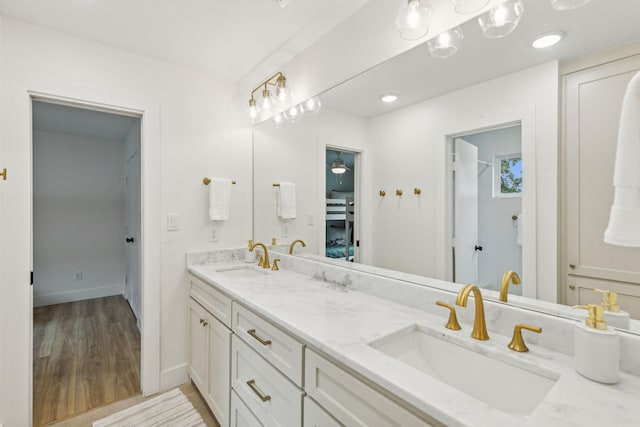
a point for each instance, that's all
(86, 257)
(487, 219)
(341, 229)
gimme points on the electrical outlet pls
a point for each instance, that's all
(77, 275)
(285, 229)
(213, 235)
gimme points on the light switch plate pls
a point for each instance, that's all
(173, 222)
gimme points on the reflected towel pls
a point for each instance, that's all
(219, 199)
(519, 230)
(286, 203)
(624, 220)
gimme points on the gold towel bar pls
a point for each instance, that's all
(207, 181)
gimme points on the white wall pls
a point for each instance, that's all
(497, 232)
(297, 154)
(78, 213)
(408, 150)
(189, 131)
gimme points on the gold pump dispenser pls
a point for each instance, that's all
(595, 320)
(609, 300)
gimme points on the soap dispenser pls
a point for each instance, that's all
(612, 314)
(597, 349)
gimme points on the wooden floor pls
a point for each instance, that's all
(86, 354)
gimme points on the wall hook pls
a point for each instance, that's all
(398, 192)
(3, 174)
(417, 191)
(383, 193)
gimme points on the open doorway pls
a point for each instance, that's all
(341, 227)
(487, 219)
(86, 257)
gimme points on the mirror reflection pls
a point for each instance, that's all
(468, 167)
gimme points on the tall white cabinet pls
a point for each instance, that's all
(592, 105)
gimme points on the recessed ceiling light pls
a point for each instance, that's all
(390, 97)
(547, 40)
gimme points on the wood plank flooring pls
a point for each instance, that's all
(86, 354)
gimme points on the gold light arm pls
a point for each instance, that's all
(280, 77)
(479, 324)
(509, 276)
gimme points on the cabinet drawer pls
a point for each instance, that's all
(315, 416)
(351, 401)
(270, 395)
(214, 301)
(241, 416)
(284, 352)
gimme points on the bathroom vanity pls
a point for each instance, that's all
(320, 345)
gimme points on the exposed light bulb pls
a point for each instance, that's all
(283, 96)
(413, 19)
(445, 44)
(293, 114)
(267, 106)
(278, 120)
(568, 4)
(254, 112)
(312, 105)
(469, 6)
(547, 40)
(501, 20)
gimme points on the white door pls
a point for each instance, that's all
(132, 233)
(465, 221)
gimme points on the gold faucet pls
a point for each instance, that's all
(509, 276)
(304, 245)
(479, 324)
(265, 264)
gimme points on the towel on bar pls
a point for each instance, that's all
(286, 203)
(624, 220)
(519, 230)
(219, 199)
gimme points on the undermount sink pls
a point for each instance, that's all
(501, 385)
(242, 271)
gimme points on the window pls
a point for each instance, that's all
(507, 171)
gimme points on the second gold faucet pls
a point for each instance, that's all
(479, 331)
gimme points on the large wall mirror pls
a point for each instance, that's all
(454, 180)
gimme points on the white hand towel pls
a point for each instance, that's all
(219, 199)
(519, 230)
(624, 220)
(286, 204)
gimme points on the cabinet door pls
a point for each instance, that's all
(593, 102)
(241, 416)
(315, 416)
(219, 340)
(198, 343)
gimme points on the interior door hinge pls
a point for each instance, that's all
(32, 278)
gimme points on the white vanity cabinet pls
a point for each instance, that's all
(315, 416)
(241, 416)
(210, 349)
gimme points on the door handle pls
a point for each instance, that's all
(478, 248)
(130, 239)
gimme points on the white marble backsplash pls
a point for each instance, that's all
(557, 332)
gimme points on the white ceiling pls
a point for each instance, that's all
(416, 76)
(77, 121)
(228, 37)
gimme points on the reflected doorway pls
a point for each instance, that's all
(487, 219)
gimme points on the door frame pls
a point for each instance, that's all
(150, 224)
(525, 117)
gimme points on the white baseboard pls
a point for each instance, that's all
(174, 377)
(76, 295)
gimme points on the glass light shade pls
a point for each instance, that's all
(445, 44)
(278, 120)
(254, 112)
(501, 20)
(293, 114)
(568, 4)
(283, 95)
(267, 106)
(469, 6)
(413, 19)
(312, 105)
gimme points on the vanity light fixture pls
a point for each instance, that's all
(266, 106)
(445, 44)
(547, 40)
(568, 4)
(338, 166)
(463, 7)
(389, 97)
(312, 105)
(501, 20)
(414, 19)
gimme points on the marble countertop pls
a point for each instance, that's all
(341, 322)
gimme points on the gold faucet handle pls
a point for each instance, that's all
(260, 260)
(453, 319)
(517, 342)
(275, 264)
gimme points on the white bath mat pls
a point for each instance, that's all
(171, 409)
